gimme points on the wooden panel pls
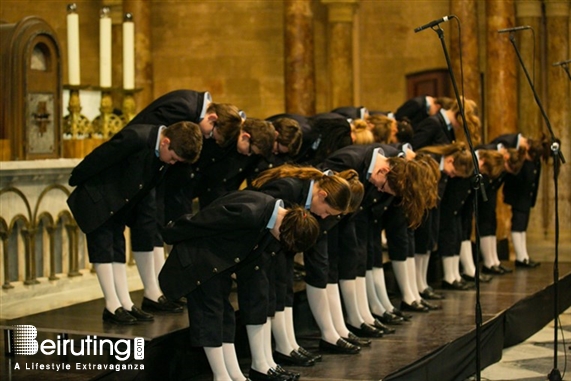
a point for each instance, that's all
(432, 82)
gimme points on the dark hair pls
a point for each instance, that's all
(463, 161)
(289, 134)
(262, 134)
(299, 230)
(228, 122)
(404, 131)
(185, 140)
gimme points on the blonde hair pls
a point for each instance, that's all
(361, 132)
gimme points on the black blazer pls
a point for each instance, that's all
(432, 131)
(173, 107)
(218, 238)
(115, 176)
(414, 109)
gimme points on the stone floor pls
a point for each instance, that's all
(533, 359)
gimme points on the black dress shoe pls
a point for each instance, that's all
(484, 278)
(358, 341)
(383, 328)
(140, 315)
(389, 318)
(429, 294)
(294, 358)
(526, 263)
(181, 302)
(271, 375)
(162, 305)
(430, 306)
(365, 330)
(315, 357)
(505, 269)
(401, 314)
(457, 286)
(294, 376)
(494, 270)
(341, 346)
(413, 307)
(121, 316)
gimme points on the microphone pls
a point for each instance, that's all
(561, 63)
(434, 23)
(514, 29)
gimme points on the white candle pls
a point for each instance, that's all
(105, 48)
(73, 45)
(128, 53)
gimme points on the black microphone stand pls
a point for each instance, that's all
(477, 185)
(565, 67)
(554, 375)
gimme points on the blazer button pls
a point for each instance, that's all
(385, 208)
(209, 190)
(240, 169)
(213, 160)
(257, 170)
(257, 268)
(455, 212)
(273, 253)
(270, 166)
(375, 200)
(462, 203)
(215, 270)
(192, 175)
(140, 186)
(255, 247)
(360, 208)
(126, 200)
(198, 283)
(469, 191)
(223, 180)
(111, 213)
(534, 171)
(237, 260)
(375, 221)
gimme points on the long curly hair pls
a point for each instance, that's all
(338, 190)
(416, 190)
(463, 161)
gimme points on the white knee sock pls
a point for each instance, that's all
(486, 243)
(422, 270)
(362, 303)
(336, 309)
(319, 305)
(268, 344)
(448, 264)
(400, 270)
(231, 362)
(411, 277)
(104, 273)
(381, 287)
(494, 247)
(257, 350)
(520, 247)
(456, 268)
(467, 259)
(348, 288)
(215, 357)
(288, 311)
(121, 285)
(146, 266)
(374, 303)
(159, 258)
(280, 334)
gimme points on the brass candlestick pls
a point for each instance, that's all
(75, 124)
(107, 123)
(129, 105)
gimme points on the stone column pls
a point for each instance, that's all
(340, 51)
(501, 88)
(467, 13)
(299, 57)
(141, 11)
(501, 66)
(528, 12)
(558, 109)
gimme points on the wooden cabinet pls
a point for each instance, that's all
(31, 86)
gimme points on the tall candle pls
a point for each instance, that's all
(73, 45)
(128, 52)
(105, 48)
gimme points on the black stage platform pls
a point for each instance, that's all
(439, 345)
